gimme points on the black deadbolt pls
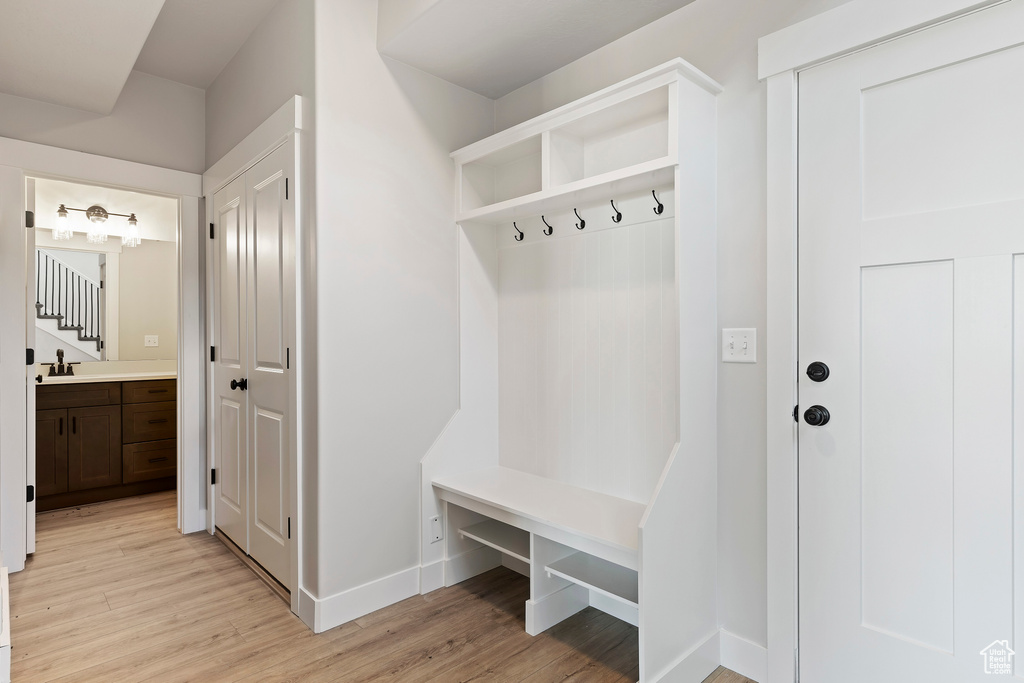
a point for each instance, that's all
(817, 371)
(816, 416)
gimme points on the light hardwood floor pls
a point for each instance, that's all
(115, 593)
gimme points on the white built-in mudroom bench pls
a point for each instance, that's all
(583, 454)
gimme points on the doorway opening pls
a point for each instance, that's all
(103, 296)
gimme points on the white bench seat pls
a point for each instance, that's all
(595, 523)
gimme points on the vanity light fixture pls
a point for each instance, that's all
(96, 231)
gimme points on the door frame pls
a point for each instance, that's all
(287, 123)
(851, 27)
(21, 159)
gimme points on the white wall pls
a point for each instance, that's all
(155, 121)
(275, 63)
(386, 288)
(148, 301)
(720, 38)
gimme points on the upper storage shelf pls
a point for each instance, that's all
(618, 139)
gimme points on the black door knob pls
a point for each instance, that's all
(816, 416)
(817, 371)
(242, 384)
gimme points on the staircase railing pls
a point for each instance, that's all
(72, 299)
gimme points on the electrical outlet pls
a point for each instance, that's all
(152, 340)
(739, 345)
(436, 530)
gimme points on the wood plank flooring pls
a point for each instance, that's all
(115, 593)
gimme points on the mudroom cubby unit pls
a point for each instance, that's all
(583, 454)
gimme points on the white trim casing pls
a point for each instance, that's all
(28, 158)
(854, 26)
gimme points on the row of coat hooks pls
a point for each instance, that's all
(659, 208)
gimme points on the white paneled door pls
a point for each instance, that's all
(254, 294)
(911, 251)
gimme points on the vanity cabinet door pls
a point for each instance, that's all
(51, 451)
(94, 447)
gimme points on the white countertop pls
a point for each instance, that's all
(109, 377)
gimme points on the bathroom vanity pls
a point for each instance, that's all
(104, 437)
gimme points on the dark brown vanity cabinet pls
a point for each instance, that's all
(104, 440)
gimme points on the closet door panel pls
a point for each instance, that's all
(230, 340)
(271, 315)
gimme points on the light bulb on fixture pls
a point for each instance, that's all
(62, 228)
(131, 236)
(96, 233)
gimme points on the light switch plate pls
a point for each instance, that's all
(739, 345)
(152, 340)
(436, 531)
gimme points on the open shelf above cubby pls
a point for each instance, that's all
(642, 177)
(502, 537)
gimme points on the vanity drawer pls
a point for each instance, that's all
(149, 422)
(150, 391)
(77, 395)
(150, 460)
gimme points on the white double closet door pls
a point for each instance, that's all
(912, 292)
(253, 295)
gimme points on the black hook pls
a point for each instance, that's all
(660, 207)
(519, 237)
(617, 218)
(550, 229)
(582, 224)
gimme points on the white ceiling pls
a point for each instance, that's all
(493, 47)
(73, 53)
(158, 216)
(193, 40)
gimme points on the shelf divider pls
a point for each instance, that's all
(502, 537)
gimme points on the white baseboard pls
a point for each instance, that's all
(744, 657)
(693, 666)
(340, 608)
(544, 613)
(467, 565)
(431, 577)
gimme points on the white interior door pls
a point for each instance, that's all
(230, 339)
(270, 271)
(912, 292)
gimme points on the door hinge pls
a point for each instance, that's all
(286, 189)
(213, 476)
(211, 231)
(30, 219)
(30, 356)
(287, 358)
(213, 353)
(796, 409)
(289, 527)
(101, 284)
(31, 493)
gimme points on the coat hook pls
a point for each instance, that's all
(582, 224)
(660, 207)
(617, 218)
(519, 237)
(550, 229)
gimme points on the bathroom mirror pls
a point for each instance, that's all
(104, 301)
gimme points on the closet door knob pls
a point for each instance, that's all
(242, 384)
(816, 416)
